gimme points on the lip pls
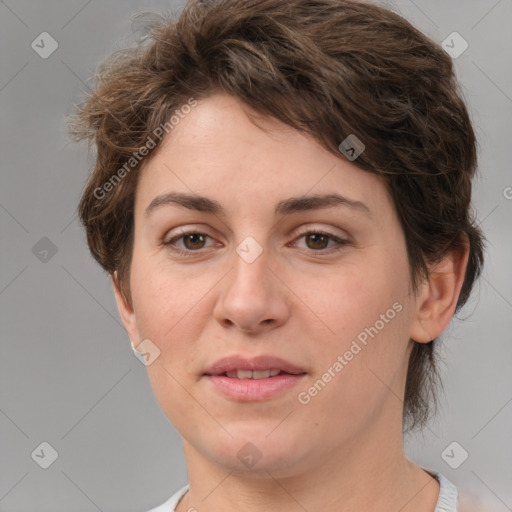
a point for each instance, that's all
(247, 390)
(263, 362)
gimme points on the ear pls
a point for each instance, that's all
(125, 311)
(439, 293)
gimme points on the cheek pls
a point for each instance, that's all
(171, 313)
(359, 366)
(352, 300)
(366, 312)
(162, 299)
(172, 310)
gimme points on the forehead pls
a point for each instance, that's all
(216, 150)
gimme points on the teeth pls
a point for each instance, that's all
(250, 374)
(262, 374)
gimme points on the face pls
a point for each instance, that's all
(257, 270)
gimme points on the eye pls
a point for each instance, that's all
(318, 241)
(193, 242)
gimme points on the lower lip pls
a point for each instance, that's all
(247, 390)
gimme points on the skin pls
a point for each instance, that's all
(299, 300)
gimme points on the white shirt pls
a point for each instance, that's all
(447, 501)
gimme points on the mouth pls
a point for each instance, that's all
(240, 379)
(260, 367)
(254, 374)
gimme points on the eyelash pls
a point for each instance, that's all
(341, 243)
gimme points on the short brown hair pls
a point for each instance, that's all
(328, 68)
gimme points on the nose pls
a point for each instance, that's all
(253, 298)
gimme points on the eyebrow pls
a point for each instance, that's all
(284, 207)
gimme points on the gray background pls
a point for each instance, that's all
(68, 375)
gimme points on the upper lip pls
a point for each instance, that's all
(263, 362)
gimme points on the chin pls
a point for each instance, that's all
(257, 453)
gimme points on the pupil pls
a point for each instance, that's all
(193, 237)
(318, 238)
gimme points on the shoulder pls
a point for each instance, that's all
(448, 499)
(170, 504)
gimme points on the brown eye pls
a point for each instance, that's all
(191, 242)
(318, 242)
(194, 241)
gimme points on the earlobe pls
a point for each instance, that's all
(126, 311)
(438, 295)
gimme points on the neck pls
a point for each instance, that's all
(370, 473)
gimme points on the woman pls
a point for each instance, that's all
(282, 198)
